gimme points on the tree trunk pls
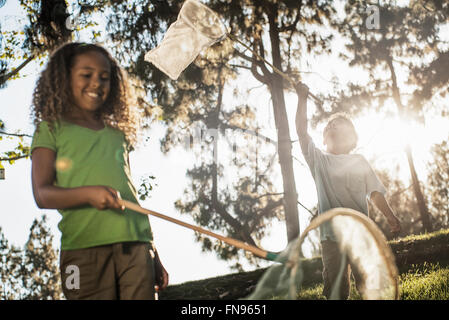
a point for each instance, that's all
(285, 160)
(283, 134)
(423, 211)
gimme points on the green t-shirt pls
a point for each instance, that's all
(93, 157)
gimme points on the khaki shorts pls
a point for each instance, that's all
(120, 271)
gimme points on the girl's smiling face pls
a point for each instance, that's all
(90, 81)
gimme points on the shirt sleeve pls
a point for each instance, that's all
(313, 154)
(373, 182)
(43, 137)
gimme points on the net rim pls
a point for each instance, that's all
(184, 18)
(379, 237)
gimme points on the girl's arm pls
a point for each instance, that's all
(49, 196)
(301, 116)
(381, 203)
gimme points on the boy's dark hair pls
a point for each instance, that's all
(52, 96)
(345, 117)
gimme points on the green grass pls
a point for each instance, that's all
(436, 235)
(422, 261)
(315, 293)
(423, 282)
(312, 293)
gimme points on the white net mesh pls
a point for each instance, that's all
(276, 281)
(365, 256)
(197, 28)
(361, 243)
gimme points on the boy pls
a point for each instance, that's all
(342, 180)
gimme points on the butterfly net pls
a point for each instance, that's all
(360, 242)
(196, 28)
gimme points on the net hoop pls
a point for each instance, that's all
(379, 237)
(217, 26)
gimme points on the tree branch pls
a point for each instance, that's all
(269, 208)
(313, 214)
(292, 26)
(5, 78)
(269, 194)
(15, 158)
(252, 132)
(16, 134)
(240, 66)
(260, 63)
(243, 56)
(257, 75)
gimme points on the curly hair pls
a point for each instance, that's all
(52, 96)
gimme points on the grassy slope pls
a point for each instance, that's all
(422, 260)
(421, 282)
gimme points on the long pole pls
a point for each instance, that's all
(236, 243)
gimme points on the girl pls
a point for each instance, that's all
(85, 128)
(342, 179)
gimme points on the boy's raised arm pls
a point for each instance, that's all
(301, 115)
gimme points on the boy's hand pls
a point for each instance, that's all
(103, 197)
(302, 90)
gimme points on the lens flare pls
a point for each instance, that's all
(64, 164)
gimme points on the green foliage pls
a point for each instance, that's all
(10, 264)
(22, 150)
(47, 27)
(145, 187)
(31, 273)
(437, 186)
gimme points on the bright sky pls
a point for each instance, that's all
(181, 255)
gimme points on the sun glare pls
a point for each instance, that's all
(385, 138)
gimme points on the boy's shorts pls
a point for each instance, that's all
(332, 265)
(119, 271)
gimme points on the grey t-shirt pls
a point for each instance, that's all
(345, 181)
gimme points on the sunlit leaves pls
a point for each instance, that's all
(145, 187)
(438, 185)
(21, 150)
(31, 273)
